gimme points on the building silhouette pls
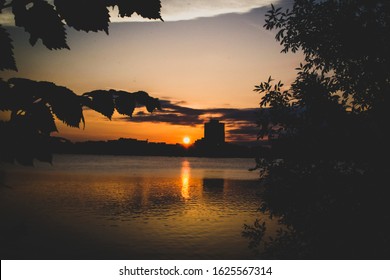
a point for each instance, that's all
(214, 132)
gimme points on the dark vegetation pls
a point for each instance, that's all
(325, 174)
(34, 105)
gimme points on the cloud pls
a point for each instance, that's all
(176, 10)
(240, 124)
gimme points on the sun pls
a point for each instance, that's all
(186, 140)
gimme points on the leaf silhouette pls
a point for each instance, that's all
(101, 101)
(149, 9)
(145, 8)
(33, 105)
(7, 60)
(41, 118)
(23, 92)
(124, 102)
(42, 22)
(87, 15)
(64, 103)
(151, 103)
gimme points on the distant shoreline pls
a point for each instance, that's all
(156, 155)
(135, 147)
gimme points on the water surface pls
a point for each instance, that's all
(127, 207)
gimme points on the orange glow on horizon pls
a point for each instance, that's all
(98, 128)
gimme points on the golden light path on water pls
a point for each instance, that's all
(185, 179)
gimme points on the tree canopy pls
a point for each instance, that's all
(323, 175)
(341, 90)
(346, 40)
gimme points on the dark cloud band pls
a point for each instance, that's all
(240, 123)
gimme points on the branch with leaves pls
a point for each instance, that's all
(33, 107)
(47, 21)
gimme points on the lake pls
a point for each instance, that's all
(128, 207)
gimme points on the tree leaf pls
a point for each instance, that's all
(145, 8)
(87, 15)
(64, 103)
(149, 9)
(126, 8)
(42, 118)
(151, 103)
(23, 92)
(7, 60)
(101, 101)
(42, 22)
(124, 102)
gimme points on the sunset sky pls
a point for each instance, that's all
(202, 61)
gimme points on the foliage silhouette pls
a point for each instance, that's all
(324, 175)
(46, 21)
(7, 60)
(348, 38)
(34, 105)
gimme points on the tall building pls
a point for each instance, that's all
(214, 132)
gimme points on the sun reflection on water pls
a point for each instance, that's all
(185, 179)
